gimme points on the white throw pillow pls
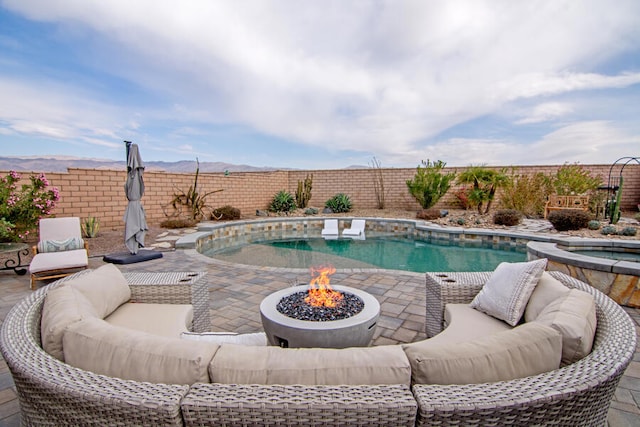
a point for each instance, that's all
(259, 338)
(506, 293)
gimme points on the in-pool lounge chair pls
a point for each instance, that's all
(330, 229)
(356, 230)
(60, 251)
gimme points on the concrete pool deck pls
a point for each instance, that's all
(236, 293)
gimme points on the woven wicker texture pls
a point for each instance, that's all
(297, 405)
(52, 393)
(575, 395)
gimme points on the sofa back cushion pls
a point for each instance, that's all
(96, 346)
(574, 316)
(238, 364)
(62, 307)
(548, 290)
(529, 349)
(105, 287)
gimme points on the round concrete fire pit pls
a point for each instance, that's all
(285, 331)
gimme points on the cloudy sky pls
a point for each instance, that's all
(322, 84)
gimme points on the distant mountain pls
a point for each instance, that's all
(61, 163)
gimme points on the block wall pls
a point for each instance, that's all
(100, 193)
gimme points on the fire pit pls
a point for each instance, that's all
(318, 315)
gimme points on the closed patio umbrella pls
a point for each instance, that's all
(134, 216)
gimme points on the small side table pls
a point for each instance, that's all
(21, 249)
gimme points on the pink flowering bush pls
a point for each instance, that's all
(21, 208)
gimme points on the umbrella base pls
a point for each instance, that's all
(129, 258)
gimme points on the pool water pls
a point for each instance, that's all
(614, 255)
(393, 253)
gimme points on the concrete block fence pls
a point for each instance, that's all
(100, 193)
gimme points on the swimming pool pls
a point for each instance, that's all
(388, 252)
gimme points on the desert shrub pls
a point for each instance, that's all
(178, 223)
(593, 224)
(608, 229)
(569, 219)
(283, 201)
(507, 217)
(428, 214)
(90, 227)
(485, 183)
(628, 231)
(311, 211)
(225, 212)
(459, 221)
(574, 179)
(526, 193)
(339, 203)
(462, 196)
(429, 183)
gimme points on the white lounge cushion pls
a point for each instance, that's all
(236, 364)
(258, 338)
(66, 260)
(105, 287)
(356, 229)
(62, 307)
(166, 320)
(96, 346)
(526, 350)
(506, 293)
(574, 316)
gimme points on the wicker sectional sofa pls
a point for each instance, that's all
(52, 392)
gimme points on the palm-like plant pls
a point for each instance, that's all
(429, 183)
(485, 182)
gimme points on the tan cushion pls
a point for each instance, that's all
(105, 287)
(547, 290)
(506, 293)
(237, 364)
(166, 320)
(258, 338)
(575, 318)
(62, 307)
(59, 261)
(96, 346)
(465, 323)
(526, 350)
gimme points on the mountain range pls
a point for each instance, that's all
(62, 163)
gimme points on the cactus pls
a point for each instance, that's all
(303, 193)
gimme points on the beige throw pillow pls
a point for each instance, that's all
(526, 350)
(548, 290)
(506, 293)
(575, 318)
(62, 307)
(105, 287)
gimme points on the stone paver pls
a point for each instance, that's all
(236, 293)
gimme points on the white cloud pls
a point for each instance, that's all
(545, 112)
(379, 77)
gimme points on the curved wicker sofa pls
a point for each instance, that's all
(53, 393)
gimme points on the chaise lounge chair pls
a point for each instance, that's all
(60, 251)
(356, 229)
(330, 229)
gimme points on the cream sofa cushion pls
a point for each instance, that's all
(105, 287)
(96, 346)
(574, 316)
(237, 364)
(464, 323)
(529, 349)
(66, 260)
(547, 291)
(166, 320)
(62, 306)
(258, 338)
(506, 293)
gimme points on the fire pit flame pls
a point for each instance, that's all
(320, 292)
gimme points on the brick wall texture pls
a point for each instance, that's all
(100, 193)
